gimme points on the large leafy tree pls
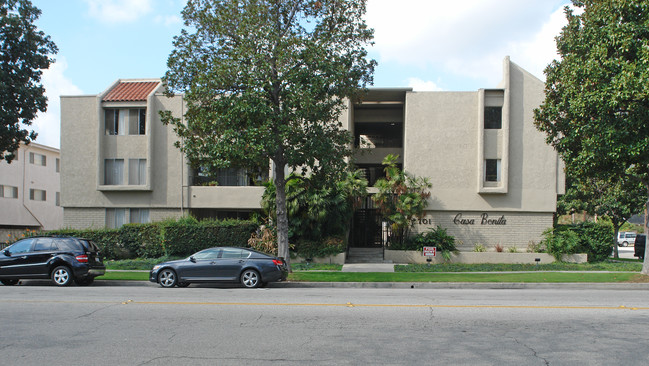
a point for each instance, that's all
(267, 80)
(617, 199)
(596, 109)
(24, 53)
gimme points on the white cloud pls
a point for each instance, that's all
(118, 11)
(420, 85)
(168, 20)
(48, 124)
(466, 38)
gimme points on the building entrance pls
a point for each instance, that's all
(367, 227)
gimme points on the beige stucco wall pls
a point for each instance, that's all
(442, 143)
(82, 130)
(22, 211)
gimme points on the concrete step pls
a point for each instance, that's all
(365, 255)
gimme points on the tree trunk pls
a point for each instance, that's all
(282, 215)
(645, 265)
(616, 230)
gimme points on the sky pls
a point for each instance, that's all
(429, 45)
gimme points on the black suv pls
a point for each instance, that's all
(62, 259)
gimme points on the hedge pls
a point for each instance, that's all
(170, 238)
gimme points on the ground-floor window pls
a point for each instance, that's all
(139, 216)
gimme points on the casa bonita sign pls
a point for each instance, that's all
(483, 219)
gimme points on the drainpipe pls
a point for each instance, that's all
(182, 163)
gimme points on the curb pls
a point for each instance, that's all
(421, 285)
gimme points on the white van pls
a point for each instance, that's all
(624, 238)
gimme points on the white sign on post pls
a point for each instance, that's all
(430, 251)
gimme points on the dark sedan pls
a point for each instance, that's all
(221, 264)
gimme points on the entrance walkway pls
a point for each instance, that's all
(368, 267)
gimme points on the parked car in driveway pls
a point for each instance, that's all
(61, 259)
(625, 238)
(639, 248)
(221, 264)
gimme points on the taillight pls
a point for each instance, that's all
(278, 262)
(82, 258)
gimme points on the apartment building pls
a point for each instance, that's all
(30, 191)
(495, 181)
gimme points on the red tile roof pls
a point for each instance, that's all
(131, 91)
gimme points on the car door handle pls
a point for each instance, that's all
(241, 261)
(23, 257)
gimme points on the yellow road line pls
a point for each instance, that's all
(348, 304)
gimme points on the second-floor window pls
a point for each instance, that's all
(37, 159)
(113, 171)
(37, 195)
(8, 191)
(136, 171)
(493, 118)
(129, 121)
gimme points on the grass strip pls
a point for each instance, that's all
(496, 267)
(542, 277)
(125, 276)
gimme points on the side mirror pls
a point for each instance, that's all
(6, 252)
(192, 259)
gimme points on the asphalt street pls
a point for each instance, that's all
(210, 325)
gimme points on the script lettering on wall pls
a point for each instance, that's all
(483, 220)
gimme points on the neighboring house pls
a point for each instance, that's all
(495, 181)
(30, 191)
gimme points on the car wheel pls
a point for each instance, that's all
(61, 276)
(182, 284)
(625, 244)
(250, 278)
(84, 281)
(9, 282)
(167, 278)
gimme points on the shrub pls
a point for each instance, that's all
(592, 238)
(319, 248)
(437, 237)
(499, 248)
(171, 237)
(264, 240)
(479, 248)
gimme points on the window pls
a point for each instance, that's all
(37, 159)
(212, 253)
(139, 216)
(58, 199)
(44, 245)
(8, 191)
(58, 165)
(493, 118)
(123, 121)
(492, 170)
(231, 253)
(113, 171)
(22, 246)
(136, 171)
(37, 195)
(115, 217)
